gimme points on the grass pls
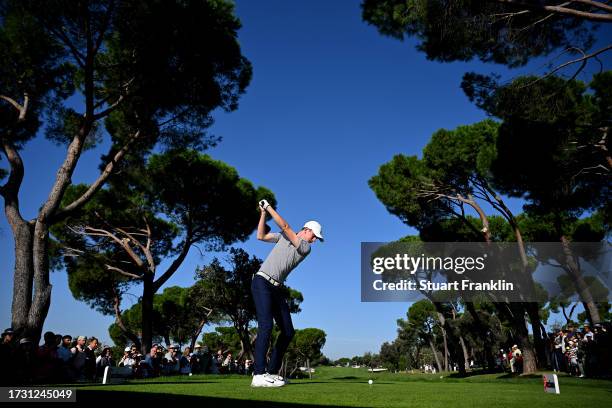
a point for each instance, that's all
(332, 386)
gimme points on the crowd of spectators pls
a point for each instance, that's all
(582, 352)
(62, 359)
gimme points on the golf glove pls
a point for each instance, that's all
(264, 204)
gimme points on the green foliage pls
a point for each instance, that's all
(422, 316)
(419, 191)
(223, 338)
(306, 345)
(463, 30)
(37, 68)
(228, 292)
(342, 361)
(214, 209)
(552, 127)
(218, 205)
(175, 318)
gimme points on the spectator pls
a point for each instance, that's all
(63, 351)
(558, 351)
(227, 363)
(172, 360)
(7, 355)
(206, 360)
(151, 363)
(24, 362)
(218, 361)
(588, 334)
(572, 356)
(105, 359)
(138, 368)
(248, 367)
(78, 358)
(90, 359)
(195, 359)
(128, 359)
(185, 362)
(516, 363)
(47, 359)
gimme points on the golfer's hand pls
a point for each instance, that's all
(263, 204)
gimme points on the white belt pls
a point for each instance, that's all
(268, 278)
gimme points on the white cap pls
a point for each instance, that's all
(316, 229)
(127, 349)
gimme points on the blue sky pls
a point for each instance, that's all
(330, 101)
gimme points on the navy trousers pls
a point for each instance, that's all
(271, 305)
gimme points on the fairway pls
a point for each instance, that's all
(332, 386)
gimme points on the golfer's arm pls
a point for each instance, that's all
(261, 229)
(284, 227)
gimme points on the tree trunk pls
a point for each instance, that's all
(23, 235)
(196, 334)
(482, 328)
(147, 313)
(573, 270)
(533, 310)
(465, 364)
(23, 277)
(522, 338)
(308, 368)
(447, 332)
(245, 343)
(433, 350)
(445, 349)
(119, 321)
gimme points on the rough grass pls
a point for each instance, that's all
(333, 386)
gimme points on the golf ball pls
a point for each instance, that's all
(370, 382)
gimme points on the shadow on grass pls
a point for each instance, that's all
(127, 397)
(338, 382)
(142, 383)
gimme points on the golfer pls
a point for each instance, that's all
(268, 294)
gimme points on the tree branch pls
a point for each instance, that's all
(122, 272)
(145, 249)
(175, 264)
(79, 202)
(13, 102)
(582, 60)
(11, 188)
(108, 110)
(124, 243)
(105, 25)
(596, 4)
(560, 10)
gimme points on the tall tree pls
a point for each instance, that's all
(565, 169)
(156, 213)
(509, 32)
(305, 347)
(436, 194)
(422, 316)
(137, 75)
(229, 290)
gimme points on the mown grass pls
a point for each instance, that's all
(332, 386)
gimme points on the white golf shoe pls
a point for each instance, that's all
(280, 378)
(266, 380)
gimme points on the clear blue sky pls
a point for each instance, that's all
(330, 101)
